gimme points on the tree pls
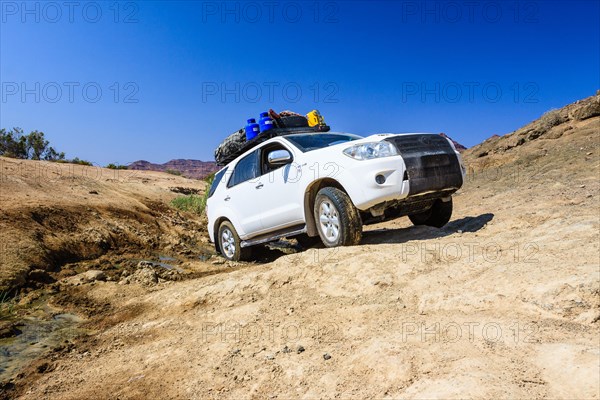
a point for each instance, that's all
(37, 145)
(13, 143)
(33, 146)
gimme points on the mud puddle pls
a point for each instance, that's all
(39, 332)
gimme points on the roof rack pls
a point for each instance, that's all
(264, 136)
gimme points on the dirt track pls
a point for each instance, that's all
(503, 302)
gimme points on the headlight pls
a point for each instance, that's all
(367, 151)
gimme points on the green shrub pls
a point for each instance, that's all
(77, 161)
(173, 172)
(7, 305)
(209, 178)
(192, 203)
(116, 166)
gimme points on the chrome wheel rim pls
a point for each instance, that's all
(329, 221)
(228, 243)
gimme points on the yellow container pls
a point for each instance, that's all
(315, 118)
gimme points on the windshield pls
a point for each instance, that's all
(313, 141)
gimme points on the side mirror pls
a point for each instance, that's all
(279, 157)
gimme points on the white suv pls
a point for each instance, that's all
(327, 185)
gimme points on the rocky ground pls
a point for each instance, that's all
(503, 302)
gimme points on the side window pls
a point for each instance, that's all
(216, 181)
(246, 169)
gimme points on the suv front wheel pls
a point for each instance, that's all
(230, 243)
(338, 221)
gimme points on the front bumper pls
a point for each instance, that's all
(427, 164)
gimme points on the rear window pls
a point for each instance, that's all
(314, 141)
(215, 182)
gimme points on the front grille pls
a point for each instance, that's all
(431, 163)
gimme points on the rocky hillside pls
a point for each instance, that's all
(194, 169)
(550, 126)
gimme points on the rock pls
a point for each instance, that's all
(300, 349)
(92, 276)
(144, 264)
(93, 192)
(9, 329)
(233, 264)
(41, 276)
(326, 356)
(588, 110)
(86, 277)
(286, 350)
(145, 276)
(270, 357)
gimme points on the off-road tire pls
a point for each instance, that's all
(238, 253)
(349, 222)
(437, 216)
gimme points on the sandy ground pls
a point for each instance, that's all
(503, 302)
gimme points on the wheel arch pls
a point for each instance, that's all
(309, 201)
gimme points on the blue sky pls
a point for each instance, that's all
(118, 82)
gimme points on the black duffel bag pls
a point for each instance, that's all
(231, 145)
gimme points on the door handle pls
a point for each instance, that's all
(227, 198)
(259, 186)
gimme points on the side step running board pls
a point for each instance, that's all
(274, 236)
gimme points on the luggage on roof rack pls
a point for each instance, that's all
(236, 144)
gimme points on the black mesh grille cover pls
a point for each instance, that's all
(431, 162)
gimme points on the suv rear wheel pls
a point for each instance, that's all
(437, 216)
(230, 243)
(338, 221)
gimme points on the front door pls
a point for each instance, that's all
(281, 202)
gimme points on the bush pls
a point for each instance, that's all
(173, 172)
(192, 203)
(116, 166)
(550, 119)
(76, 160)
(7, 305)
(209, 178)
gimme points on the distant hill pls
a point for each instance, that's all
(194, 169)
(458, 146)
